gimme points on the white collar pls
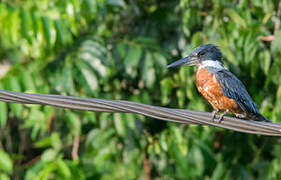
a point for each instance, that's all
(211, 63)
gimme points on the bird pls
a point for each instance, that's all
(223, 90)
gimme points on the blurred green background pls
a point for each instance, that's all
(119, 49)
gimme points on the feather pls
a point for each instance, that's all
(233, 88)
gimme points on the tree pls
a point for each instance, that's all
(119, 49)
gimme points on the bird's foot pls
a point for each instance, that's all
(214, 113)
(221, 116)
(241, 116)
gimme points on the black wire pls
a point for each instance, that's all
(121, 106)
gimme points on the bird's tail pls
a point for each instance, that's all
(260, 117)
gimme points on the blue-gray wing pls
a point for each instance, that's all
(233, 88)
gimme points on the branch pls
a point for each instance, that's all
(75, 147)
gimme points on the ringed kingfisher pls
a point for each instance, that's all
(224, 91)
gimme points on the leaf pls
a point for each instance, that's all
(265, 61)
(157, 148)
(218, 172)
(27, 82)
(266, 17)
(236, 17)
(95, 55)
(181, 97)
(74, 123)
(4, 176)
(120, 3)
(61, 39)
(34, 24)
(197, 38)
(13, 20)
(6, 163)
(46, 30)
(163, 141)
(46, 171)
(276, 43)
(44, 142)
(160, 60)
(119, 124)
(166, 88)
(49, 155)
(36, 121)
(131, 61)
(63, 168)
(25, 25)
(177, 134)
(53, 140)
(130, 120)
(148, 72)
(198, 158)
(160, 63)
(3, 114)
(89, 76)
(67, 78)
(227, 52)
(89, 5)
(56, 141)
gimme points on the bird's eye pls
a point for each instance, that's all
(201, 53)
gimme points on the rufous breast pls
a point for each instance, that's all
(210, 88)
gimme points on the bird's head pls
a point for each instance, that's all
(203, 55)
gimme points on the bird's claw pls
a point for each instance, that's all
(214, 113)
(220, 118)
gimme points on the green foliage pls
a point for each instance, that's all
(119, 49)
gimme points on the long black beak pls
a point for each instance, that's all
(184, 61)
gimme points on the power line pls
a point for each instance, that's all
(162, 113)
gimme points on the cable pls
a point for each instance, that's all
(162, 113)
